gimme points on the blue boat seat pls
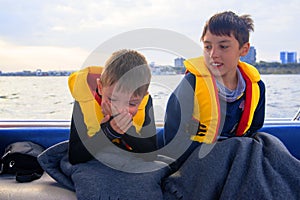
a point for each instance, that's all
(289, 134)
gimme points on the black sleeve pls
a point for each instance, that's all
(81, 146)
(77, 151)
(178, 122)
(179, 107)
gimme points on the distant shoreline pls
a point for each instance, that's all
(278, 68)
(262, 72)
(263, 68)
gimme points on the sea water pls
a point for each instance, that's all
(49, 97)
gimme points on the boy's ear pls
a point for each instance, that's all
(99, 86)
(245, 49)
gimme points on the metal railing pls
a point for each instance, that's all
(297, 116)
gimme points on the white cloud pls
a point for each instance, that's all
(14, 57)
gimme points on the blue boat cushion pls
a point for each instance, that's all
(48, 136)
(289, 135)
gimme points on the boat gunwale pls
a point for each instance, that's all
(66, 123)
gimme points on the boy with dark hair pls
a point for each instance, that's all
(219, 94)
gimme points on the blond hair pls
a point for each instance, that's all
(129, 70)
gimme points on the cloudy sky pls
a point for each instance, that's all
(61, 34)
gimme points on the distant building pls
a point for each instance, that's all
(152, 64)
(178, 62)
(38, 72)
(283, 57)
(288, 57)
(292, 57)
(250, 58)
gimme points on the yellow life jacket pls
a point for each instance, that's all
(206, 99)
(82, 83)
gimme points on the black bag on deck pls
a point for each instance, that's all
(20, 158)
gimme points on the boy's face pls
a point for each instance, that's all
(222, 54)
(119, 101)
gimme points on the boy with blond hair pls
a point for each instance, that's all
(112, 104)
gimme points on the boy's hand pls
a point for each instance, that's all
(122, 120)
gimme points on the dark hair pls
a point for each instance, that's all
(227, 23)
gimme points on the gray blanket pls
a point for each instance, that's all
(236, 168)
(95, 180)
